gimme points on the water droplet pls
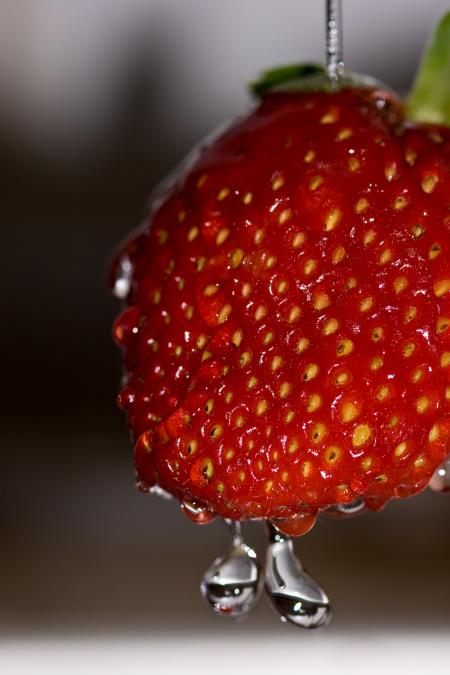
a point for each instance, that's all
(346, 510)
(157, 490)
(440, 480)
(122, 277)
(232, 584)
(198, 514)
(292, 592)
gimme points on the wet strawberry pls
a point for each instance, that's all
(287, 340)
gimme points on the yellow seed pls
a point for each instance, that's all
(338, 255)
(193, 233)
(376, 363)
(400, 449)
(285, 389)
(318, 432)
(202, 180)
(282, 286)
(385, 257)
(294, 314)
(351, 283)
(222, 236)
(178, 350)
(285, 476)
(260, 312)
(419, 462)
(223, 194)
(156, 297)
(361, 434)
(259, 236)
(447, 392)
(306, 469)
(241, 476)
(210, 290)
(382, 393)
(442, 324)
(310, 266)
(382, 478)
(332, 219)
(289, 416)
(315, 183)
(302, 345)
(247, 198)
(224, 313)
(209, 405)
(417, 231)
(445, 360)
(200, 263)
(400, 283)
(361, 205)
(268, 337)
(332, 454)
(180, 284)
(220, 487)
(206, 355)
(311, 371)
(434, 251)
(344, 347)
(245, 359)
(261, 407)
(377, 334)
(330, 327)
(329, 118)
(408, 349)
(321, 301)
(182, 216)
(410, 156)
(271, 260)
(366, 304)
(417, 375)
(400, 202)
(268, 485)
(278, 183)
(393, 421)
(309, 156)
(422, 404)
(246, 289)
(366, 463)
(349, 411)
(298, 240)
(216, 431)
(353, 164)
(314, 402)
(237, 336)
(236, 257)
(429, 183)
(229, 454)
(410, 314)
(285, 216)
(277, 361)
(344, 134)
(252, 382)
(341, 379)
(192, 447)
(434, 433)
(369, 237)
(390, 171)
(293, 446)
(441, 287)
(201, 341)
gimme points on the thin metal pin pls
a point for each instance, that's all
(334, 59)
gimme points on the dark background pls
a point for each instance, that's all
(82, 552)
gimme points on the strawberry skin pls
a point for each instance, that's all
(287, 337)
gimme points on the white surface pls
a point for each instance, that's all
(308, 654)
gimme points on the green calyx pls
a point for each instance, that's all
(429, 100)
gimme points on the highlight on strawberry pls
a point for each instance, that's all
(286, 334)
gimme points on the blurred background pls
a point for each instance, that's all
(98, 99)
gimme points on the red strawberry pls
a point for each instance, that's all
(288, 342)
(287, 336)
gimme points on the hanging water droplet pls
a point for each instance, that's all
(346, 510)
(198, 514)
(160, 492)
(232, 584)
(122, 278)
(440, 480)
(292, 592)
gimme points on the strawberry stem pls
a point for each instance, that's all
(429, 100)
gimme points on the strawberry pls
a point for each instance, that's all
(286, 339)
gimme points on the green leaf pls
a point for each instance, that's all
(429, 100)
(287, 78)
